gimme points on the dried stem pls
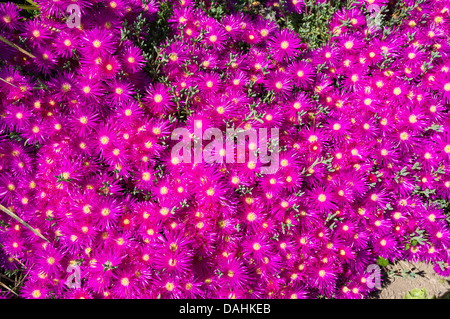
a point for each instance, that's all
(20, 220)
(22, 278)
(1, 246)
(15, 46)
(7, 278)
(2, 79)
(5, 286)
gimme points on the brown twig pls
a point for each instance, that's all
(15, 46)
(2, 79)
(21, 280)
(5, 286)
(20, 220)
(1, 246)
(3, 276)
(405, 265)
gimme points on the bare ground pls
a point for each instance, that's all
(402, 277)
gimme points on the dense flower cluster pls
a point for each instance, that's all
(85, 154)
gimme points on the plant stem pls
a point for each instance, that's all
(20, 220)
(2, 79)
(1, 246)
(22, 278)
(15, 46)
(32, 3)
(5, 286)
(28, 8)
(7, 278)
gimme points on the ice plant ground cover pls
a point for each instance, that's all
(359, 91)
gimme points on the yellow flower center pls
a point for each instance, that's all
(66, 87)
(105, 212)
(173, 57)
(146, 176)
(404, 136)
(86, 89)
(170, 286)
(447, 87)
(125, 282)
(96, 44)
(164, 211)
(36, 294)
(104, 140)
(251, 216)
(348, 45)
(413, 119)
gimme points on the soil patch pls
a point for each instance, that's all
(403, 277)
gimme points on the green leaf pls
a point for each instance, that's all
(382, 262)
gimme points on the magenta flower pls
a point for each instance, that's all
(284, 45)
(87, 116)
(158, 99)
(9, 16)
(98, 42)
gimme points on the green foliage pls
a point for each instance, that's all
(382, 262)
(312, 25)
(148, 35)
(446, 295)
